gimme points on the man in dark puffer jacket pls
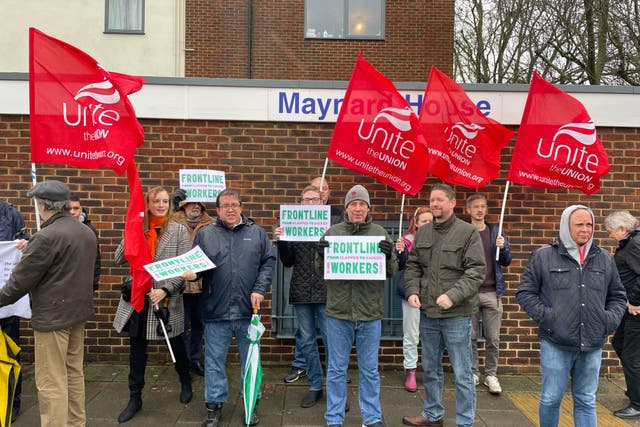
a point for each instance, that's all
(308, 294)
(572, 290)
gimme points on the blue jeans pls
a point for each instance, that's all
(193, 327)
(298, 358)
(311, 317)
(217, 340)
(367, 339)
(557, 365)
(454, 334)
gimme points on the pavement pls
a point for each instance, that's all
(107, 394)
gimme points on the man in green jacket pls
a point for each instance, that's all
(354, 311)
(445, 268)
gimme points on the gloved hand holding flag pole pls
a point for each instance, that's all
(162, 314)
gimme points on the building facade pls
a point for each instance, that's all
(268, 151)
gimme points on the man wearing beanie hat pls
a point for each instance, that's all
(354, 311)
(194, 216)
(57, 269)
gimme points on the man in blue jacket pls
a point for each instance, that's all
(245, 261)
(572, 290)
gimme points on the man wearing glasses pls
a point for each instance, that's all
(245, 261)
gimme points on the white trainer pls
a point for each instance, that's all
(491, 381)
(476, 379)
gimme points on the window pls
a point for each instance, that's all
(344, 19)
(283, 322)
(124, 16)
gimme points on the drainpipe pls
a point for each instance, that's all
(250, 39)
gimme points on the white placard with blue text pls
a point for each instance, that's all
(354, 258)
(304, 223)
(202, 185)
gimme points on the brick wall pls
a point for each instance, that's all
(418, 34)
(269, 163)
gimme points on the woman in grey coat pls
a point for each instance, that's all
(165, 239)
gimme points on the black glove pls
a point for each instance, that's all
(386, 247)
(21, 234)
(125, 288)
(178, 196)
(162, 314)
(320, 248)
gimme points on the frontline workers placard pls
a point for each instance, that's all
(10, 256)
(354, 258)
(195, 260)
(202, 185)
(304, 223)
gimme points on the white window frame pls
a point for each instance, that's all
(108, 29)
(320, 34)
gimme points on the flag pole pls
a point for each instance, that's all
(35, 204)
(324, 171)
(504, 203)
(166, 336)
(401, 212)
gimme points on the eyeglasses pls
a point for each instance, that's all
(310, 199)
(229, 207)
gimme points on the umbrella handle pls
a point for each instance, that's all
(256, 309)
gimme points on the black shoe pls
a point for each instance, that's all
(134, 405)
(255, 418)
(214, 410)
(628, 412)
(294, 375)
(197, 368)
(310, 398)
(186, 394)
(14, 413)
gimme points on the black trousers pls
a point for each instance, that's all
(626, 343)
(11, 325)
(138, 362)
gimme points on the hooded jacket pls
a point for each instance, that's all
(245, 261)
(575, 307)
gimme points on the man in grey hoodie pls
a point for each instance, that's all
(572, 290)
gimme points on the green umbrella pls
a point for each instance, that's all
(253, 367)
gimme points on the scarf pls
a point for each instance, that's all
(151, 234)
(193, 223)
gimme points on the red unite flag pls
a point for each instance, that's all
(464, 144)
(79, 112)
(378, 134)
(136, 250)
(557, 144)
(81, 116)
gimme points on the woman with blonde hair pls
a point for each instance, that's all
(165, 239)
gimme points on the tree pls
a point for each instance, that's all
(586, 42)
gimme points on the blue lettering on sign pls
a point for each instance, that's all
(308, 106)
(292, 103)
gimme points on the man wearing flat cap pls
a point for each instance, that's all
(57, 269)
(354, 311)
